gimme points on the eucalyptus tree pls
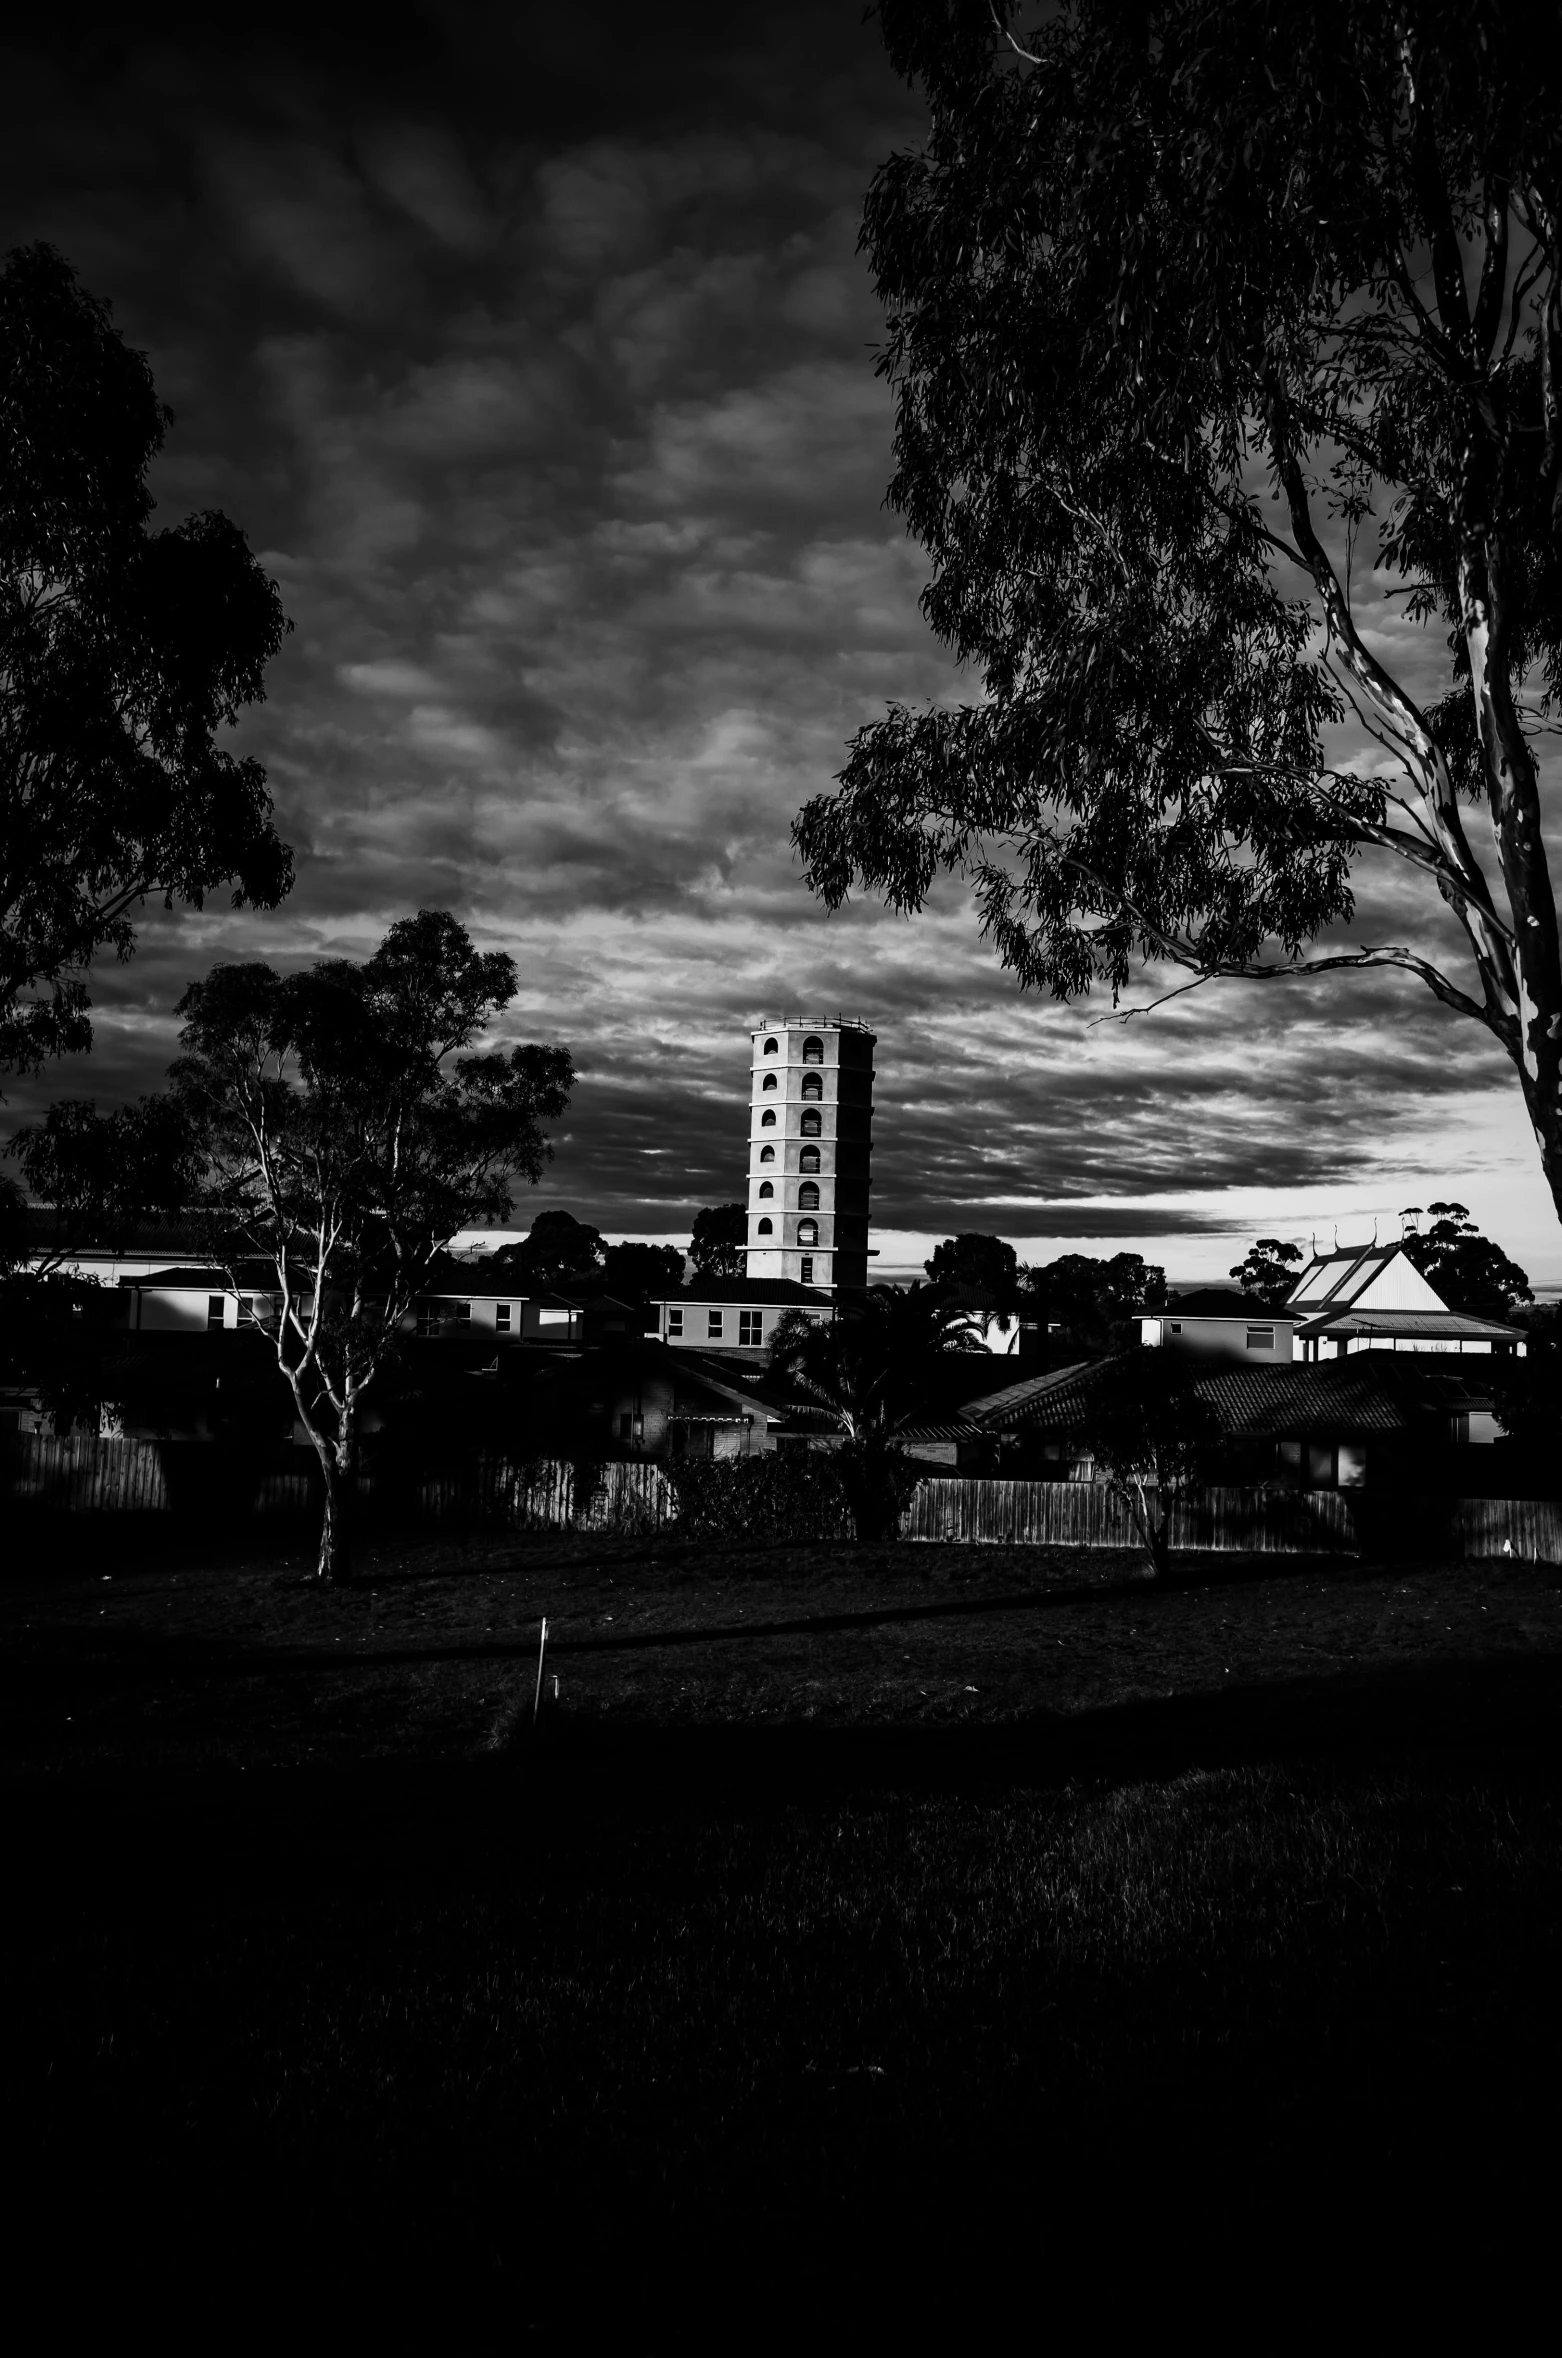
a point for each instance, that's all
(123, 653)
(346, 1137)
(1224, 335)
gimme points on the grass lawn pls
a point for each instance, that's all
(868, 1925)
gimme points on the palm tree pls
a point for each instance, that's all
(868, 1375)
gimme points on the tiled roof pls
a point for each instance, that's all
(1275, 1403)
(1041, 1403)
(959, 1431)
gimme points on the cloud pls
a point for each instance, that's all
(538, 360)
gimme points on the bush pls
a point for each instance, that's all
(795, 1496)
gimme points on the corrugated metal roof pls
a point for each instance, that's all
(1449, 1325)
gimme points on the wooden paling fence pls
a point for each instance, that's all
(1083, 1514)
(1526, 1527)
(84, 1475)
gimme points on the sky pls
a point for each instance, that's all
(531, 349)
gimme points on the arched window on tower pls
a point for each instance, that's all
(808, 1160)
(812, 1123)
(769, 1081)
(772, 1047)
(765, 1189)
(767, 1154)
(764, 1229)
(807, 1232)
(813, 1049)
(767, 1120)
(808, 1197)
(813, 1086)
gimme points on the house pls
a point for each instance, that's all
(1373, 1298)
(732, 1314)
(1217, 1323)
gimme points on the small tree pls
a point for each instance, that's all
(1270, 1270)
(867, 1374)
(1464, 1267)
(984, 1261)
(1153, 1436)
(123, 652)
(347, 1138)
(716, 1247)
(102, 1175)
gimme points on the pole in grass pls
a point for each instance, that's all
(542, 1656)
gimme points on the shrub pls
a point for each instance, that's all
(787, 1497)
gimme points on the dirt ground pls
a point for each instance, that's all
(164, 1653)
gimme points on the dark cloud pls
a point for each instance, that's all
(532, 349)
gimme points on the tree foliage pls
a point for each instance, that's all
(1224, 335)
(1090, 1299)
(1461, 1265)
(637, 1272)
(558, 1250)
(1270, 1270)
(347, 1135)
(123, 653)
(716, 1247)
(974, 1260)
(103, 1175)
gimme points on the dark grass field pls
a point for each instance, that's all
(870, 1935)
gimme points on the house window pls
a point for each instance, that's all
(750, 1327)
(764, 1229)
(808, 1160)
(461, 1312)
(812, 1124)
(675, 1319)
(808, 1197)
(765, 1190)
(713, 1326)
(808, 1232)
(813, 1049)
(767, 1154)
(767, 1120)
(1260, 1338)
(501, 1318)
(1176, 1326)
(216, 1309)
(428, 1317)
(807, 1271)
(813, 1086)
(771, 1047)
(769, 1081)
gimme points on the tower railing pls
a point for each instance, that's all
(822, 1023)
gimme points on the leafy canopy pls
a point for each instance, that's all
(123, 653)
(1225, 337)
(1464, 1267)
(716, 1246)
(1270, 1270)
(558, 1250)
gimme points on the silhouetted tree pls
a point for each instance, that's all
(1270, 1270)
(1090, 1298)
(1464, 1267)
(1171, 292)
(347, 1138)
(984, 1261)
(1153, 1437)
(558, 1250)
(103, 1175)
(123, 652)
(716, 1247)
(638, 1272)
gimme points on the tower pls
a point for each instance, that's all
(810, 1140)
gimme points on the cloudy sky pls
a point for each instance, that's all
(531, 349)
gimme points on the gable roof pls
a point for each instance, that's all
(1451, 1326)
(1375, 1276)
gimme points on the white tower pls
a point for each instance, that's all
(810, 1140)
